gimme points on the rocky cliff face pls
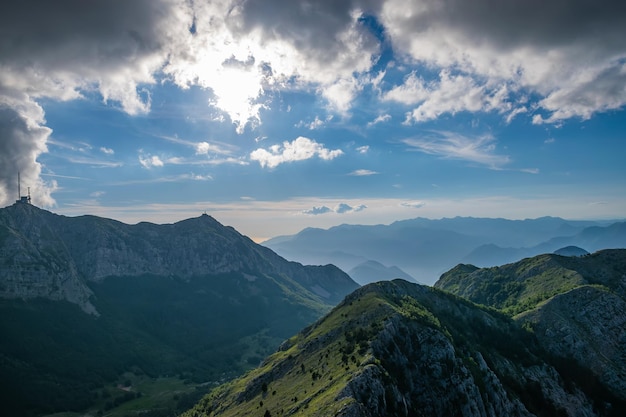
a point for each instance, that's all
(576, 308)
(46, 255)
(400, 349)
(586, 327)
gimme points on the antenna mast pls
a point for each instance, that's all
(19, 190)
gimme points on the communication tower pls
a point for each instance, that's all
(24, 199)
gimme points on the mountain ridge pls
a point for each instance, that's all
(394, 348)
(91, 248)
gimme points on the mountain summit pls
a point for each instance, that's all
(51, 256)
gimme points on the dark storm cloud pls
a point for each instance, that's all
(77, 33)
(309, 25)
(510, 23)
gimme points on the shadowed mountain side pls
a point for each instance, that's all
(399, 349)
(52, 256)
(84, 300)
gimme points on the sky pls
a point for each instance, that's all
(276, 115)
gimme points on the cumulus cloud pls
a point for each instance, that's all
(363, 149)
(340, 208)
(449, 94)
(448, 145)
(571, 53)
(150, 161)
(23, 139)
(298, 150)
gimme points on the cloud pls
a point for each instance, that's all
(298, 150)
(59, 51)
(202, 148)
(93, 162)
(363, 149)
(317, 210)
(448, 145)
(315, 124)
(571, 54)
(450, 94)
(107, 151)
(23, 140)
(346, 208)
(362, 173)
(383, 118)
(150, 161)
(413, 204)
(340, 208)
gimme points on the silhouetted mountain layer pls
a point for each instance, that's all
(426, 248)
(394, 348)
(372, 271)
(84, 299)
(571, 251)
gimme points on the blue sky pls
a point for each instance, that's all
(273, 116)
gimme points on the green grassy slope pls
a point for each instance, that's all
(522, 285)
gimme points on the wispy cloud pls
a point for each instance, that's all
(94, 162)
(449, 145)
(362, 173)
(413, 204)
(530, 170)
(315, 124)
(179, 160)
(107, 151)
(380, 119)
(164, 179)
(298, 150)
(363, 149)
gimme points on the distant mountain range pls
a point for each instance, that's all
(393, 348)
(426, 248)
(85, 299)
